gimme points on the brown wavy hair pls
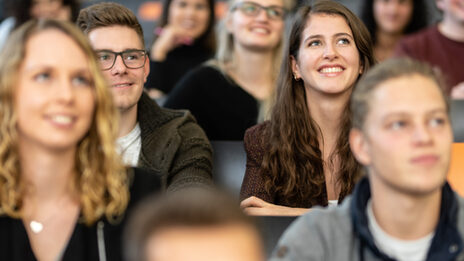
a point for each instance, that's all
(101, 180)
(293, 164)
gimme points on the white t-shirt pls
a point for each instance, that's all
(402, 250)
(333, 203)
(129, 146)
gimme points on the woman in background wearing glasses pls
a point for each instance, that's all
(227, 94)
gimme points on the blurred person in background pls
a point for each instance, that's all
(63, 190)
(20, 11)
(227, 94)
(184, 38)
(441, 45)
(389, 20)
(192, 226)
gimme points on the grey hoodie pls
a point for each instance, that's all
(342, 233)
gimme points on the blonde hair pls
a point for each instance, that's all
(101, 180)
(224, 57)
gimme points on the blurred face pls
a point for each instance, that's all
(45, 8)
(328, 61)
(453, 10)
(225, 243)
(255, 28)
(392, 16)
(190, 16)
(407, 137)
(54, 96)
(126, 84)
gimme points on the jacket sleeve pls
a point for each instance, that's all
(303, 240)
(253, 181)
(192, 163)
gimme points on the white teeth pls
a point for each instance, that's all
(61, 119)
(331, 70)
(260, 30)
(121, 85)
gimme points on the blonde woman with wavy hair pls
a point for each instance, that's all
(63, 189)
(230, 93)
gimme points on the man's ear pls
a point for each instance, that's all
(146, 69)
(360, 147)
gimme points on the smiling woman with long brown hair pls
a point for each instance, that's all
(301, 157)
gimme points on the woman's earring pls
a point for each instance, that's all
(296, 78)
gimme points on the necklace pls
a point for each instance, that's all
(36, 226)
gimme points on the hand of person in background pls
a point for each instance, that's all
(169, 37)
(257, 207)
(457, 93)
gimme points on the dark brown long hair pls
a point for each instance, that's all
(293, 164)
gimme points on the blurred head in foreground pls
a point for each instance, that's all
(192, 225)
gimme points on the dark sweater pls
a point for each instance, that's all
(222, 108)
(256, 145)
(84, 241)
(431, 46)
(174, 146)
(164, 75)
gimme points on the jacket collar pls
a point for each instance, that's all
(150, 115)
(446, 243)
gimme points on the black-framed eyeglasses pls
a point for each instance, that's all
(253, 9)
(132, 59)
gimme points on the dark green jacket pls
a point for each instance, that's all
(174, 145)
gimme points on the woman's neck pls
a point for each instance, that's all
(385, 44)
(46, 175)
(253, 71)
(327, 112)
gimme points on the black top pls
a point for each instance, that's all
(84, 241)
(164, 75)
(222, 108)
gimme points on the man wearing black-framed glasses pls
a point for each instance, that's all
(165, 141)
(132, 58)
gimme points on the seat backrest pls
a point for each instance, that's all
(229, 164)
(457, 119)
(272, 228)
